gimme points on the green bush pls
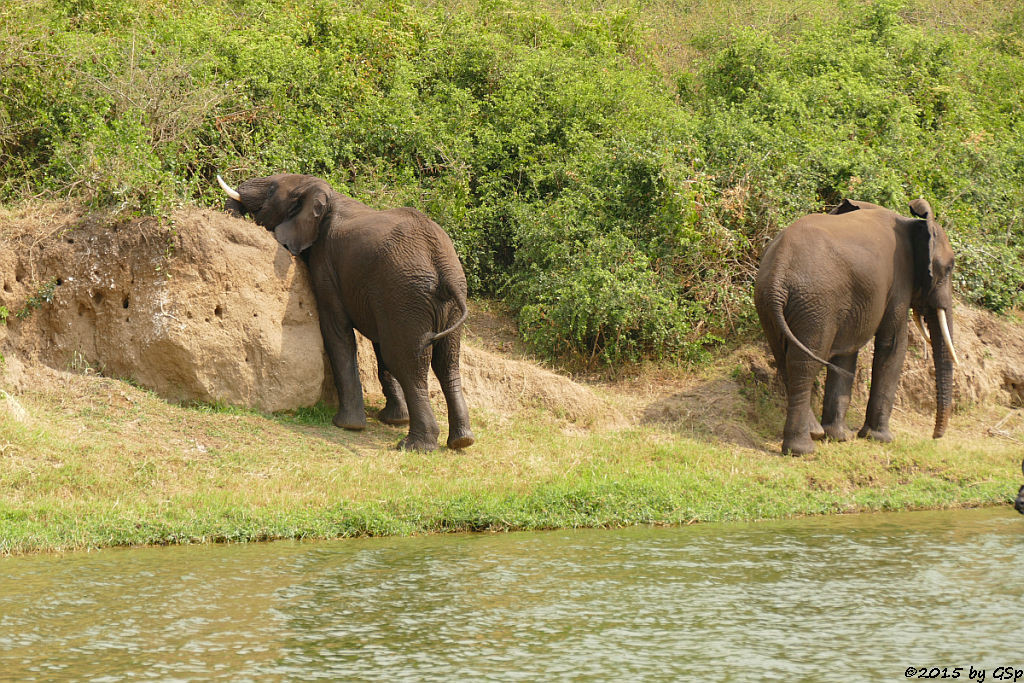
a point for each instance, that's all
(617, 202)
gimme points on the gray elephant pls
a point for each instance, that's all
(394, 276)
(830, 282)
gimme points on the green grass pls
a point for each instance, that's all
(100, 463)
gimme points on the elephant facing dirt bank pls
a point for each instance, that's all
(394, 276)
(830, 282)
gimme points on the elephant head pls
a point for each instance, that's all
(292, 206)
(932, 301)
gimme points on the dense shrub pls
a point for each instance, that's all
(617, 204)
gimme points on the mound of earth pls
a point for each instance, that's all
(205, 307)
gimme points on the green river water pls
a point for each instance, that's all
(862, 597)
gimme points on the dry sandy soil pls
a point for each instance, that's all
(206, 307)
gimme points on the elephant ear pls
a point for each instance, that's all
(846, 206)
(922, 209)
(303, 229)
(928, 242)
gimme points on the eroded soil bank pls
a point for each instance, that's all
(206, 307)
(166, 382)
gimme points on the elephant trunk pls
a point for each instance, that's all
(940, 324)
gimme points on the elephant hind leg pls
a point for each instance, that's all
(395, 411)
(410, 368)
(445, 362)
(800, 421)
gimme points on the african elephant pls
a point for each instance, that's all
(394, 276)
(830, 282)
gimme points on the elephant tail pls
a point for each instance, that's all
(461, 302)
(780, 320)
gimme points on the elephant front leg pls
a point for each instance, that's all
(838, 388)
(340, 340)
(395, 411)
(890, 350)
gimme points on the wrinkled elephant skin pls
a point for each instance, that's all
(828, 284)
(394, 276)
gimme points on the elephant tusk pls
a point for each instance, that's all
(947, 337)
(924, 333)
(227, 188)
(919, 320)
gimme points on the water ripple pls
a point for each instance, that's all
(859, 597)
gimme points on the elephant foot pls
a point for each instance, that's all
(410, 444)
(393, 415)
(818, 433)
(461, 439)
(354, 421)
(883, 435)
(837, 432)
(798, 446)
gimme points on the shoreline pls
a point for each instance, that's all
(97, 463)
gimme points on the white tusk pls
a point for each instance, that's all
(945, 335)
(924, 333)
(919, 319)
(227, 188)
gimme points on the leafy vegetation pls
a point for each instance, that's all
(617, 198)
(43, 295)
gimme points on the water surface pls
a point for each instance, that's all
(859, 597)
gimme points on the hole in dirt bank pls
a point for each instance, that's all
(1015, 387)
(97, 298)
(7, 287)
(125, 303)
(219, 312)
(60, 282)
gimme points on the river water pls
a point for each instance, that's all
(859, 597)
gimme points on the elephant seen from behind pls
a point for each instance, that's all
(393, 275)
(830, 282)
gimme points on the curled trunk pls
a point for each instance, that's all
(942, 355)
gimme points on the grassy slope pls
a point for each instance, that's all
(100, 463)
